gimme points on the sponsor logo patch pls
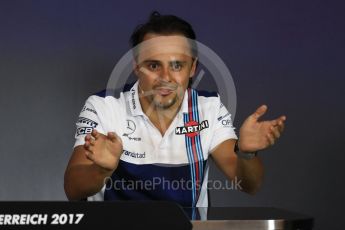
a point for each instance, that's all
(133, 99)
(226, 122)
(222, 117)
(84, 130)
(192, 128)
(130, 129)
(84, 120)
(134, 155)
(89, 110)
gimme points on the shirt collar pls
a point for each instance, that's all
(135, 106)
(133, 100)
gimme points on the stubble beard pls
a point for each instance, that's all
(160, 105)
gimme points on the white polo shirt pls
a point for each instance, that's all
(154, 167)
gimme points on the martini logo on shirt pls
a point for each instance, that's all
(191, 128)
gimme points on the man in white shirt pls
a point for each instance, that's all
(153, 142)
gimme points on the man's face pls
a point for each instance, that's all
(164, 66)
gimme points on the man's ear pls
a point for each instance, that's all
(193, 69)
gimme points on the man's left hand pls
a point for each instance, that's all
(258, 135)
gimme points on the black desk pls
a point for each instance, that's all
(249, 218)
(144, 215)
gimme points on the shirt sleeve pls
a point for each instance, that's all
(223, 128)
(89, 119)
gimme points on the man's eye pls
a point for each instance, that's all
(176, 66)
(153, 66)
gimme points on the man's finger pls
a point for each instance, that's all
(274, 122)
(275, 132)
(279, 121)
(89, 155)
(114, 137)
(282, 118)
(270, 139)
(88, 146)
(281, 126)
(92, 142)
(87, 137)
(95, 133)
(260, 111)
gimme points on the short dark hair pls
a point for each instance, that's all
(164, 25)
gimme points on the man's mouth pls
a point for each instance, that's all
(162, 91)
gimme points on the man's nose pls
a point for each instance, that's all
(165, 74)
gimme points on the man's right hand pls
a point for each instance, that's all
(104, 151)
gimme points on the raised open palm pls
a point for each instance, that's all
(257, 135)
(105, 151)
